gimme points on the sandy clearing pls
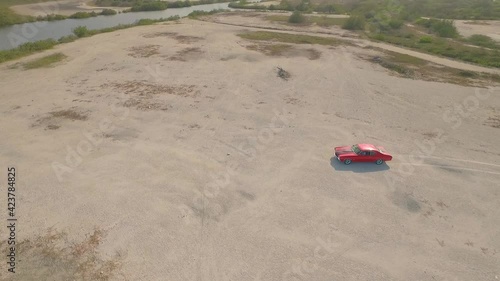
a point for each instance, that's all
(221, 123)
(489, 28)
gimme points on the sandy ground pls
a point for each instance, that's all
(200, 163)
(64, 7)
(489, 28)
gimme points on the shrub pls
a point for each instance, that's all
(150, 6)
(296, 17)
(83, 15)
(81, 31)
(425, 39)
(395, 23)
(108, 12)
(67, 39)
(443, 28)
(354, 23)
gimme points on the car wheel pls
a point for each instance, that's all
(379, 162)
(347, 161)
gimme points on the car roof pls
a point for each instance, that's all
(366, 146)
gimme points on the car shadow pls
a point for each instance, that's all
(358, 167)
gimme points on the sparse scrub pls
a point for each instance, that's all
(354, 23)
(83, 15)
(425, 39)
(53, 256)
(482, 41)
(108, 12)
(46, 61)
(81, 31)
(149, 6)
(290, 38)
(443, 28)
(197, 13)
(26, 49)
(296, 17)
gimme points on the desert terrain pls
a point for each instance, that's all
(176, 152)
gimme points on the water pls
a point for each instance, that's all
(15, 35)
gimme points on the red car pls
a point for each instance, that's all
(362, 152)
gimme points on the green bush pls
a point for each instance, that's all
(81, 31)
(83, 15)
(197, 13)
(150, 6)
(51, 17)
(425, 39)
(443, 28)
(354, 23)
(296, 17)
(108, 12)
(395, 23)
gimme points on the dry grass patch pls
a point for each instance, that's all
(291, 38)
(52, 256)
(284, 50)
(147, 90)
(147, 96)
(53, 119)
(144, 51)
(185, 39)
(47, 61)
(270, 49)
(493, 121)
(70, 114)
(186, 54)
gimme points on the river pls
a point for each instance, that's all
(15, 35)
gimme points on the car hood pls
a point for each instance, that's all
(344, 150)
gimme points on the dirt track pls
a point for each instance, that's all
(180, 142)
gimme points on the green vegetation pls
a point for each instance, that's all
(296, 17)
(354, 23)
(290, 38)
(482, 41)
(415, 68)
(243, 4)
(83, 15)
(440, 46)
(108, 12)
(197, 13)
(26, 49)
(443, 28)
(319, 20)
(149, 6)
(425, 39)
(81, 31)
(46, 61)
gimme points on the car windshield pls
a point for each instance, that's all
(356, 149)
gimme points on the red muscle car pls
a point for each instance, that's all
(362, 152)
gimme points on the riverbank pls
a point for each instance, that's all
(65, 8)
